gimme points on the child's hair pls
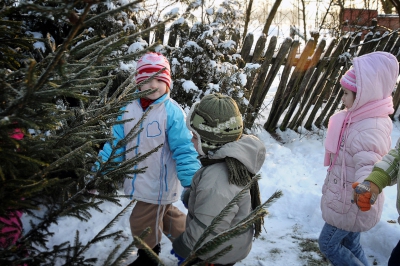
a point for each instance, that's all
(348, 80)
(151, 63)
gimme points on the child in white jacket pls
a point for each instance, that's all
(357, 137)
(166, 170)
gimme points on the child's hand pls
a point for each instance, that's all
(365, 195)
(185, 196)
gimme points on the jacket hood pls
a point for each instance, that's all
(249, 150)
(376, 76)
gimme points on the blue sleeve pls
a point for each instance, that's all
(180, 143)
(118, 134)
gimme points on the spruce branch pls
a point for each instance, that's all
(242, 226)
(223, 237)
(44, 77)
(124, 255)
(138, 241)
(115, 219)
(103, 15)
(219, 254)
(61, 160)
(112, 254)
(217, 219)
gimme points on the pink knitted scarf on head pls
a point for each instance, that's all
(339, 122)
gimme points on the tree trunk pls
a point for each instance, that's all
(396, 4)
(303, 13)
(271, 16)
(387, 6)
(247, 18)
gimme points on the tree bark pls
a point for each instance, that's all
(387, 6)
(247, 18)
(271, 16)
(396, 4)
(303, 13)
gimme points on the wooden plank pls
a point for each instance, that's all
(259, 49)
(382, 42)
(257, 58)
(310, 79)
(258, 84)
(390, 43)
(324, 83)
(273, 117)
(311, 69)
(246, 49)
(331, 103)
(310, 93)
(292, 87)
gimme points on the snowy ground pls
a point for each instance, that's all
(295, 166)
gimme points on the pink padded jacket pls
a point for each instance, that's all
(356, 139)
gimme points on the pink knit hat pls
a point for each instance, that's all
(348, 80)
(151, 63)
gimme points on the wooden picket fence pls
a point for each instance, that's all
(309, 89)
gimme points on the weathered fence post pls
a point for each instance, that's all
(310, 79)
(293, 87)
(383, 42)
(329, 79)
(333, 101)
(331, 104)
(273, 117)
(390, 43)
(255, 100)
(258, 50)
(369, 43)
(396, 47)
(246, 49)
(257, 54)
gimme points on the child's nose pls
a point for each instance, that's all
(153, 82)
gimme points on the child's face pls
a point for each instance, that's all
(155, 84)
(195, 141)
(348, 98)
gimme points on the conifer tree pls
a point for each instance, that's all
(63, 100)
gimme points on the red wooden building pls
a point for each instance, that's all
(354, 19)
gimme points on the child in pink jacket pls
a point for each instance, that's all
(357, 137)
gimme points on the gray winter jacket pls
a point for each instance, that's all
(211, 192)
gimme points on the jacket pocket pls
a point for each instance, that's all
(337, 197)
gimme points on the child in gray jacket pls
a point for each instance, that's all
(229, 161)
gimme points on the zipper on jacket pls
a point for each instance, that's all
(135, 167)
(165, 177)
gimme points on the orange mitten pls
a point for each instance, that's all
(365, 195)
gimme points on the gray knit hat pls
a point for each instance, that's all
(216, 120)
